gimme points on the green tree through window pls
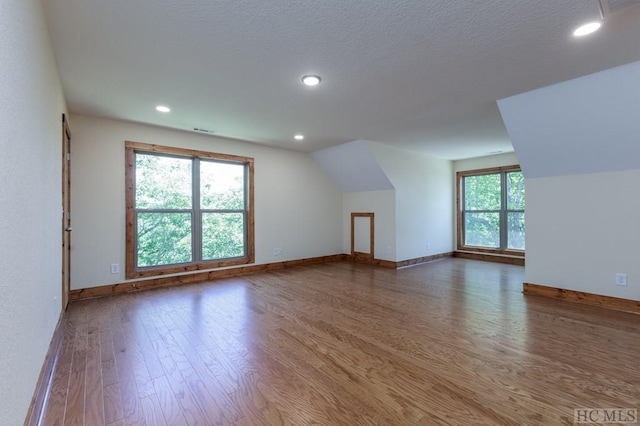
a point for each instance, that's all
(163, 210)
(187, 210)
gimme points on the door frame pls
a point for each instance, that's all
(66, 211)
(355, 253)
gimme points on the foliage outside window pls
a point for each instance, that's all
(491, 210)
(186, 210)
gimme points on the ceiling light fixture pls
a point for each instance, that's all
(587, 29)
(311, 80)
(163, 108)
(298, 137)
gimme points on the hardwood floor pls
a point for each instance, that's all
(450, 342)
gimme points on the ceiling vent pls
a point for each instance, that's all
(198, 129)
(613, 6)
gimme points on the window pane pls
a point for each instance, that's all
(482, 192)
(222, 235)
(482, 229)
(163, 182)
(515, 224)
(221, 186)
(515, 191)
(163, 238)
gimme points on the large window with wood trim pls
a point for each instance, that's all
(491, 210)
(186, 210)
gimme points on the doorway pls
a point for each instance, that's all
(362, 235)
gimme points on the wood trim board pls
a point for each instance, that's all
(354, 253)
(45, 380)
(202, 276)
(388, 264)
(510, 260)
(581, 297)
(66, 211)
(194, 277)
(423, 259)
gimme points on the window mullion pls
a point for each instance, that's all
(482, 211)
(463, 209)
(196, 214)
(503, 211)
(245, 213)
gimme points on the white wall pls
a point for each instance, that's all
(352, 167)
(499, 160)
(383, 205)
(31, 106)
(585, 125)
(582, 230)
(297, 207)
(577, 142)
(424, 213)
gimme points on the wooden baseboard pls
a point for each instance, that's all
(510, 260)
(390, 264)
(45, 380)
(194, 277)
(423, 259)
(202, 276)
(591, 299)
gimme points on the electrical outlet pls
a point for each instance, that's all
(621, 279)
(277, 251)
(115, 268)
(428, 246)
(388, 249)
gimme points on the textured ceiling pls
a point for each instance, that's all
(416, 74)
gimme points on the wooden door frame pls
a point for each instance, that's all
(354, 253)
(66, 211)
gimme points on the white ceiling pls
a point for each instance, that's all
(417, 74)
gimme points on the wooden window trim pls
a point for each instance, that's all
(459, 210)
(130, 268)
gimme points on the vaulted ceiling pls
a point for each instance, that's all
(416, 74)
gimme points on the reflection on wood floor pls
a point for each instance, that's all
(449, 342)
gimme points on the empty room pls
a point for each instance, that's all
(319, 212)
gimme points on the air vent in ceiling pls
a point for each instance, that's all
(612, 6)
(197, 129)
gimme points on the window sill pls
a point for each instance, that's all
(507, 252)
(491, 257)
(175, 269)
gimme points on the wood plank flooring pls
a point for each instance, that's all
(452, 342)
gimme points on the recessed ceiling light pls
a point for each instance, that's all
(163, 108)
(311, 80)
(298, 137)
(586, 29)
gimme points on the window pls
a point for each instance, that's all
(186, 210)
(491, 210)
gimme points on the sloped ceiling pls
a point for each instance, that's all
(352, 167)
(589, 124)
